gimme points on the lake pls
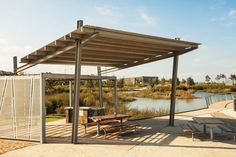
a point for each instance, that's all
(182, 105)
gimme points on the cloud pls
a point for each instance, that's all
(147, 19)
(107, 15)
(227, 20)
(232, 13)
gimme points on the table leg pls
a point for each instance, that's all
(98, 128)
(121, 122)
(211, 133)
(204, 128)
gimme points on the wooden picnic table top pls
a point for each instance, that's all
(109, 117)
(207, 120)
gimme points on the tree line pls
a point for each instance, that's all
(221, 77)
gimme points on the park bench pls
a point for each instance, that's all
(228, 129)
(186, 128)
(107, 122)
(119, 128)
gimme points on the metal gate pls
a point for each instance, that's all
(20, 107)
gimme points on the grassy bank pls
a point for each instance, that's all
(52, 118)
(56, 102)
(164, 92)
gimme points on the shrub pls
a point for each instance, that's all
(233, 89)
(182, 87)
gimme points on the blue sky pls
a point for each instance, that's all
(26, 25)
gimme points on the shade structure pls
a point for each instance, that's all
(116, 49)
(111, 48)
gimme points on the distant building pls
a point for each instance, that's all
(140, 80)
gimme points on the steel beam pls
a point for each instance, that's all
(173, 90)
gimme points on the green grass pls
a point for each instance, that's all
(53, 118)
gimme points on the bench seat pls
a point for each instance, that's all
(119, 128)
(228, 129)
(107, 122)
(189, 128)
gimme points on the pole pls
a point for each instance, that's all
(173, 90)
(78, 54)
(115, 98)
(70, 94)
(14, 64)
(100, 87)
(42, 109)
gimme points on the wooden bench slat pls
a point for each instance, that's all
(101, 123)
(194, 129)
(123, 127)
(189, 128)
(224, 128)
(228, 130)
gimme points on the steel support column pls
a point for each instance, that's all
(78, 54)
(70, 94)
(115, 97)
(100, 87)
(42, 109)
(173, 90)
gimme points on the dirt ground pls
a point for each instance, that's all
(9, 145)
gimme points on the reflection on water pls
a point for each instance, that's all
(164, 104)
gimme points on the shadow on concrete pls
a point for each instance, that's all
(152, 132)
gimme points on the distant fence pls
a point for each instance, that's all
(211, 99)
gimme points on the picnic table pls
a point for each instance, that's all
(99, 119)
(208, 121)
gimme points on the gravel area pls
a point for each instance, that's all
(9, 145)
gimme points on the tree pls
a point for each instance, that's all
(218, 77)
(233, 78)
(183, 81)
(90, 84)
(163, 81)
(207, 78)
(120, 83)
(222, 76)
(190, 81)
(177, 82)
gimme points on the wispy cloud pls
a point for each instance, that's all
(103, 14)
(226, 20)
(146, 18)
(232, 13)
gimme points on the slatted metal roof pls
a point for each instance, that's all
(107, 47)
